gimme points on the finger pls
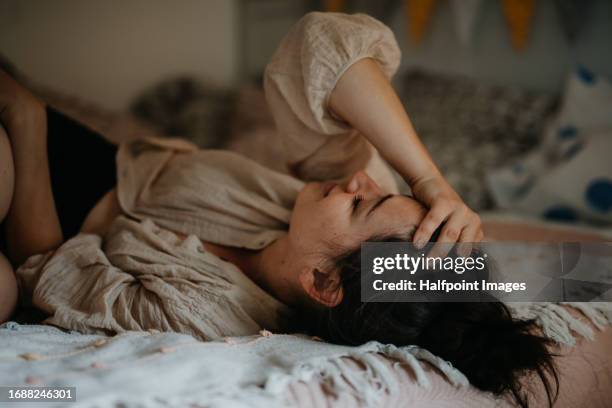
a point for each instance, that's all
(466, 241)
(464, 248)
(450, 233)
(436, 216)
(469, 236)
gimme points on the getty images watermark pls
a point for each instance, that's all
(505, 271)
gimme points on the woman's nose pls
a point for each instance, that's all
(361, 182)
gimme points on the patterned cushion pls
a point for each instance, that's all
(189, 108)
(569, 176)
(471, 128)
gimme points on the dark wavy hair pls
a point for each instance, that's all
(482, 340)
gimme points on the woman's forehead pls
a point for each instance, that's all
(398, 214)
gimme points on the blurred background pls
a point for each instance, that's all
(512, 97)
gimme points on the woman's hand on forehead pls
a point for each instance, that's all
(461, 224)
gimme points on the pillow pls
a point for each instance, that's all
(471, 128)
(569, 176)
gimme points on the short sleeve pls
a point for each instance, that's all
(314, 55)
(299, 80)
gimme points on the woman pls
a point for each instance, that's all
(213, 244)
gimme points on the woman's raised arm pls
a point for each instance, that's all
(298, 81)
(364, 98)
(328, 87)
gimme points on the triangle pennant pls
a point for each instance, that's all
(465, 13)
(519, 17)
(418, 16)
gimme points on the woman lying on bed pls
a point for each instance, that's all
(213, 244)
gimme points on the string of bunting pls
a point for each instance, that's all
(518, 15)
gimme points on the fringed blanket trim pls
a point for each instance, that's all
(560, 325)
(371, 378)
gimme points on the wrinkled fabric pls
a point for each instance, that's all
(142, 277)
(217, 195)
(151, 270)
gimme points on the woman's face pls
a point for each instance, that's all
(330, 218)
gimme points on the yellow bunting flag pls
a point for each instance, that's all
(418, 15)
(334, 5)
(519, 16)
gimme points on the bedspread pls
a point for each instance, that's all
(153, 369)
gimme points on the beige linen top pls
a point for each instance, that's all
(151, 270)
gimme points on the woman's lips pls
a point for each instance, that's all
(327, 187)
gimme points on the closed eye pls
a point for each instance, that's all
(379, 203)
(356, 200)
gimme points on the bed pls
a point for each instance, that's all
(153, 369)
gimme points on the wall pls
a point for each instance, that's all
(107, 51)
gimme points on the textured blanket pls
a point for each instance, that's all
(152, 369)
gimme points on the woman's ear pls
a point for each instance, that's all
(323, 287)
